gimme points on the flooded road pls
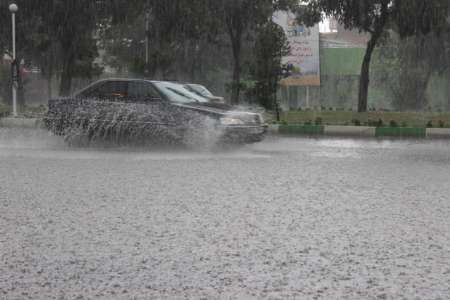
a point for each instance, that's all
(286, 218)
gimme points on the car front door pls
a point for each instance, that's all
(153, 113)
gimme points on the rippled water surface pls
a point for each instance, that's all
(298, 218)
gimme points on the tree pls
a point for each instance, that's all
(56, 36)
(405, 66)
(239, 17)
(376, 16)
(189, 40)
(369, 16)
(425, 46)
(73, 24)
(270, 46)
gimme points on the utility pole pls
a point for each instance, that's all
(13, 8)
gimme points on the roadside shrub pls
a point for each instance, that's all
(430, 124)
(393, 123)
(3, 111)
(379, 123)
(441, 124)
(318, 121)
(356, 122)
(309, 122)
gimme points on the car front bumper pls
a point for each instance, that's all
(244, 133)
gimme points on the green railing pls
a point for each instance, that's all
(302, 129)
(400, 132)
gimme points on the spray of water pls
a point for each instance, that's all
(105, 123)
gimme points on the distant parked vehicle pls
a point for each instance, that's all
(134, 109)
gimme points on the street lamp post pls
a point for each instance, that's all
(13, 8)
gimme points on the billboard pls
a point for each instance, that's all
(304, 58)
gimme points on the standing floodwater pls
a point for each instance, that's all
(301, 218)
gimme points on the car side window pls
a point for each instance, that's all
(110, 90)
(143, 91)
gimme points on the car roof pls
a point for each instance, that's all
(123, 79)
(119, 79)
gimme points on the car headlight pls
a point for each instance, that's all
(231, 121)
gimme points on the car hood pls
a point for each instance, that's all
(217, 108)
(224, 110)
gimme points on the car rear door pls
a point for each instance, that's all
(102, 106)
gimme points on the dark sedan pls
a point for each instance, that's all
(143, 110)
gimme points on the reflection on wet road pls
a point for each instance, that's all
(305, 218)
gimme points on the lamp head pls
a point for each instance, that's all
(13, 8)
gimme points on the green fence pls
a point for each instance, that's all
(302, 129)
(400, 132)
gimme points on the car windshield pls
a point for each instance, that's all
(199, 89)
(178, 93)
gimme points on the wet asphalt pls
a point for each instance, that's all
(288, 218)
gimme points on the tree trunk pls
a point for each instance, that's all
(365, 73)
(365, 68)
(66, 75)
(421, 100)
(49, 86)
(48, 77)
(236, 85)
(236, 40)
(448, 89)
(20, 88)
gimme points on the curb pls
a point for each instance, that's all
(361, 131)
(439, 133)
(21, 123)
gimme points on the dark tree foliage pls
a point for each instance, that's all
(270, 46)
(415, 17)
(178, 33)
(408, 17)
